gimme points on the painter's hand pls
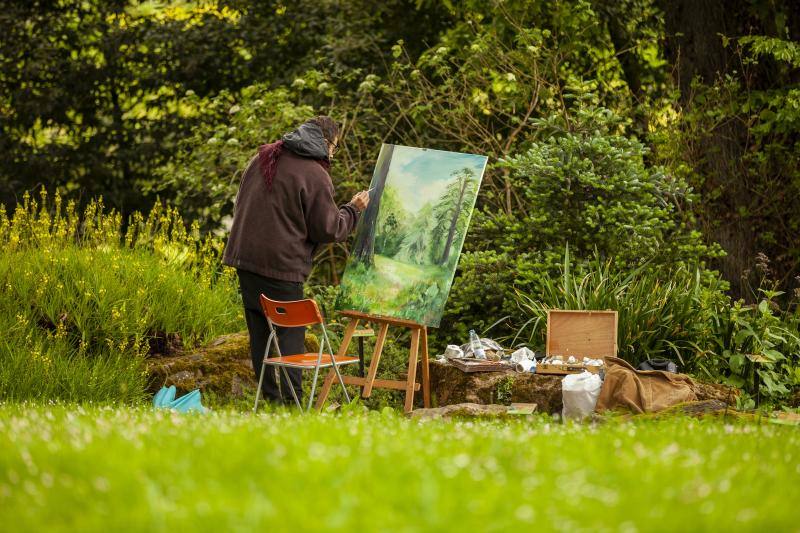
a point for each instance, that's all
(361, 200)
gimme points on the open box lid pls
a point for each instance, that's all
(582, 333)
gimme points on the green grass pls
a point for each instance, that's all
(91, 468)
(82, 300)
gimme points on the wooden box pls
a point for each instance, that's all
(581, 334)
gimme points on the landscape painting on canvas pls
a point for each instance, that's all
(410, 236)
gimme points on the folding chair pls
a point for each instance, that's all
(296, 314)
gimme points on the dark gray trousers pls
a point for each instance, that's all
(290, 340)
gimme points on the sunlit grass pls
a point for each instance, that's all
(67, 468)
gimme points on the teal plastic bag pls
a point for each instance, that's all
(165, 399)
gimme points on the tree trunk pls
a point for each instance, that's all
(365, 247)
(454, 222)
(694, 45)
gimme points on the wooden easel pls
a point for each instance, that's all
(367, 383)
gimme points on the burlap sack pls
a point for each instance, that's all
(642, 391)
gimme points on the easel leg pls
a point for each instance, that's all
(426, 377)
(326, 386)
(412, 370)
(376, 357)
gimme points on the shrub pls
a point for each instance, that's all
(659, 313)
(756, 344)
(586, 186)
(83, 301)
(204, 175)
(678, 315)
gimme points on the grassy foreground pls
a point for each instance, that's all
(89, 468)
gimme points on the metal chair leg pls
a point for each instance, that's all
(258, 390)
(291, 388)
(333, 362)
(263, 366)
(313, 388)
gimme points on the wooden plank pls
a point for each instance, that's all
(373, 364)
(412, 370)
(582, 333)
(478, 365)
(326, 386)
(382, 319)
(379, 383)
(426, 375)
(364, 332)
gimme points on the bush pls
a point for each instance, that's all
(586, 186)
(83, 302)
(204, 175)
(678, 315)
(660, 314)
(756, 344)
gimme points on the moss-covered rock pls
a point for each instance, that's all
(223, 366)
(462, 410)
(449, 385)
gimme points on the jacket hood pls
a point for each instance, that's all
(307, 141)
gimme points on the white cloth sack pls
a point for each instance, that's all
(579, 393)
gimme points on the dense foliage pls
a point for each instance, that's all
(653, 139)
(84, 302)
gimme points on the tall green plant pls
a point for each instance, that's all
(661, 313)
(84, 302)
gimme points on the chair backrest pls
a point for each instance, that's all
(291, 314)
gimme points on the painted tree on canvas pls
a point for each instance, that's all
(449, 210)
(365, 247)
(409, 239)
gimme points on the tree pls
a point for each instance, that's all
(416, 239)
(451, 206)
(365, 247)
(392, 221)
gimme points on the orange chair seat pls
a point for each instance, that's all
(306, 360)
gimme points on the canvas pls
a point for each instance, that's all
(409, 238)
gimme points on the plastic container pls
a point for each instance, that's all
(476, 345)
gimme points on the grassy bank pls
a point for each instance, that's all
(66, 468)
(85, 299)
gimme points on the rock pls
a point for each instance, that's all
(222, 366)
(461, 410)
(184, 376)
(715, 391)
(699, 409)
(161, 344)
(449, 385)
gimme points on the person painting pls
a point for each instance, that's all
(283, 211)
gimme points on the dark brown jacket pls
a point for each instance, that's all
(275, 232)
